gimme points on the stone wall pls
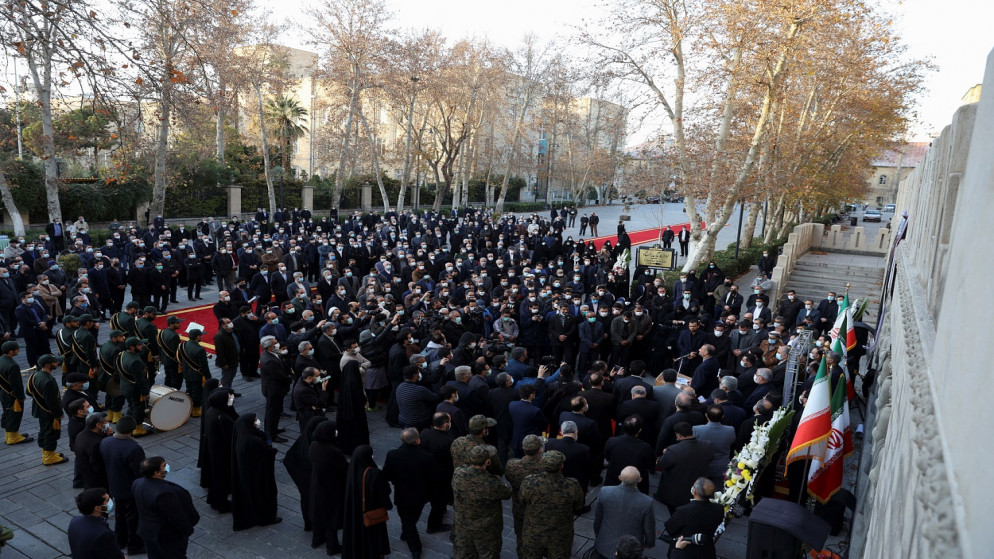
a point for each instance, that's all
(928, 446)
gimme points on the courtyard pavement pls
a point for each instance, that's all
(37, 501)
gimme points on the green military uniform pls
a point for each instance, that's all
(84, 347)
(464, 445)
(550, 502)
(478, 510)
(150, 355)
(196, 371)
(518, 469)
(63, 339)
(131, 373)
(47, 408)
(168, 343)
(12, 397)
(126, 322)
(108, 377)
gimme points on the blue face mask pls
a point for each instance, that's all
(167, 468)
(109, 506)
(86, 385)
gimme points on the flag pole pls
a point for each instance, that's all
(804, 485)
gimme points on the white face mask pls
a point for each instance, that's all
(718, 333)
(258, 423)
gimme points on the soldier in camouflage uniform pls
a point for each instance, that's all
(479, 519)
(517, 470)
(479, 426)
(551, 503)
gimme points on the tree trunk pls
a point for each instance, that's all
(336, 195)
(162, 149)
(376, 162)
(749, 230)
(732, 193)
(407, 157)
(771, 226)
(8, 202)
(515, 138)
(222, 117)
(51, 159)
(265, 151)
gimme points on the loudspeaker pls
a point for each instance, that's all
(777, 529)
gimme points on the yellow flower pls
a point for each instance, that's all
(729, 483)
(741, 465)
(747, 475)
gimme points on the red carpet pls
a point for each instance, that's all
(641, 236)
(203, 315)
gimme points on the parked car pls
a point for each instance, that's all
(652, 199)
(871, 215)
(890, 208)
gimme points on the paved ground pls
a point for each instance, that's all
(37, 501)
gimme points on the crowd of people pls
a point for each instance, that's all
(516, 362)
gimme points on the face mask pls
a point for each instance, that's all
(291, 310)
(591, 320)
(424, 364)
(167, 468)
(89, 409)
(755, 326)
(756, 291)
(791, 297)
(686, 296)
(639, 313)
(772, 341)
(744, 364)
(759, 304)
(258, 423)
(718, 333)
(30, 300)
(275, 321)
(109, 506)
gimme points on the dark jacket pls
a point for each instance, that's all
(275, 379)
(411, 469)
(90, 462)
(681, 465)
(647, 410)
(624, 451)
(578, 464)
(526, 419)
(666, 436)
(226, 349)
(91, 538)
(165, 510)
(695, 517)
(122, 456)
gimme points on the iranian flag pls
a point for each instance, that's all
(814, 430)
(825, 475)
(844, 339)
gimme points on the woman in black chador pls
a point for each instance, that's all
(253, 475)
(215, 466)
(359, 541)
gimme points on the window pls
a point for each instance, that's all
(883, 179)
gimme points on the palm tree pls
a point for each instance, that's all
(284, 115)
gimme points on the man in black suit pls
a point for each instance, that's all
(622, 388)
(681, 464)
(684, 238)
(165, 510)
(600, 406)
(411, 469)
(247, 329)
(275, 386)
(578, 464)
(628, 450)
(643, 407)
(706, 375)
(587, 433)
(57, 233)
(699, 517)
(89, 535)
(437, 440)
(683, 414)
(500, 399)
(563, 336)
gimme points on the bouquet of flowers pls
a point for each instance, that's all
(749, 462)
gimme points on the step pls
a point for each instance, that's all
(855, 270)
(802, 278)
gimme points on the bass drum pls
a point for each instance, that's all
(170, 408)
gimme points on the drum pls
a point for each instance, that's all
(170, 408)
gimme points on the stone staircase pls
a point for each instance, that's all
(814, 275)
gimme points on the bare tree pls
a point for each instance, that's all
(350, 34)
